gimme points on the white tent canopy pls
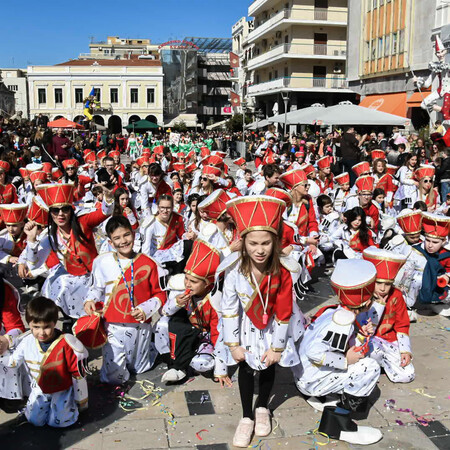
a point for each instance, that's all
(299, 116)
(215, 126)
(346, 113)
(258, 124)
(189, 119)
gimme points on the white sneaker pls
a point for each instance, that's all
(243, 435)
(412, 315)
(364, 436)
(173, 375)
(443, 309)
(319, 406)
(263, 426)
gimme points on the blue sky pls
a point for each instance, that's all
(45, 32)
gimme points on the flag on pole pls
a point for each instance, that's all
(234, 60)
(235, 99)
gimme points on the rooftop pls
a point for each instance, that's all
(212, 45)
(133, 62)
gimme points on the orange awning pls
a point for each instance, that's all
(416, 99)
(388, 103)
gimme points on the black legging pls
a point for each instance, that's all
(247, 387)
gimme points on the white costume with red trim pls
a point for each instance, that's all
(59, 408)
(129, 346)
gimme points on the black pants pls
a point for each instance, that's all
(175, 267)
(348, 164)
(246, 383)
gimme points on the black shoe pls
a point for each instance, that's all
(341, 427)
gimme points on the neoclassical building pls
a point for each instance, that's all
(126, 89)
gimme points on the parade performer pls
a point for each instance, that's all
(89, 103)
(261, 320)
(8, 192)
(12, 240)
(342, 191)
(408, 185)
(440, 71)
(325, 178)
(220, 231)
(426, 192)
(11, 328)
(189, 328)
(390, 345)
(127, 284)
(332, 362)
(436, 275)
(56, 363)
(72, 239)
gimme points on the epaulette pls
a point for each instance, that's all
(343, 317)
(176, 282)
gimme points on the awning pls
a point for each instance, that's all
(417, 98)
(189, 119)
(389, 103)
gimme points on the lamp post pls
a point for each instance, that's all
(244, 107)
(285, 96)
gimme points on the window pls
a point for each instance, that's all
(13, 87)
(106, 52)
(97, 94)
(134, 95)
(286, 72)
(394, 43)
(114, 95)
(150, 95)
(374, 50)
(380, 47)
(270, 76)
(78, 95)
(387, 45)
(42, 96)
(366, 51)
(276, 74)
(58, 95)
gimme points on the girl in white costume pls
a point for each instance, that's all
(261, 321)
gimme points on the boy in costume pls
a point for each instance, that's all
(57, 364)
(331, 359)
(128, 285)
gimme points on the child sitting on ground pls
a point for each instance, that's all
(56, 362)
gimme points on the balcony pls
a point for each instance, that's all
(307, 83)
(298, 16)
(255, 7)
(103, 107)
(300, 51)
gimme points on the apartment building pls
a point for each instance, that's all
(298, 49)
(389, 42)
(127, 90)
(16, 81)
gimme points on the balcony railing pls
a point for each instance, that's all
(255, 6)
(298, 15)
(301, 50)
(328, 82)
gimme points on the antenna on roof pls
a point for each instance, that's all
(91, 38)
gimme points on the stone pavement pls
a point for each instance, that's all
(198, 414)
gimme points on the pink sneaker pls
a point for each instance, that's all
(262, 419)
(243, 435)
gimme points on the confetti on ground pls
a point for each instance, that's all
(130, 404)
(201, 431)
(421, 391)
(390, 404)
(257, 445)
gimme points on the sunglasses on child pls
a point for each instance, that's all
(204, 179)
(63, 209)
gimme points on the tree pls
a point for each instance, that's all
(180, 127)
(235, 123)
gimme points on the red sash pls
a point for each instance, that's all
(8, 194)
(58, 367)
(254, 308)
(171, 236)
(118, 305)
(302, 220)
(19, 245)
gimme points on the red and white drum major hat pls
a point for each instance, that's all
(324, 162)
(56, 194)
(424, 172)
(280, 194)
(215, 204)
(410, 221)
(14, 213)
(365, 183)
(353, 280)
(436, 226)
(293, 177)
(343, 178)
(38, 211)
(361, 168)
(256, 213)
(203, 261)
(239, 162)
(387, 263)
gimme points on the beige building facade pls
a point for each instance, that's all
(127, 90)
(299, 49)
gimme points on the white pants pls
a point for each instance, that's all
(129, 348)
(14, 381)
(57, 410)
(388, 356)
(358, 380)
